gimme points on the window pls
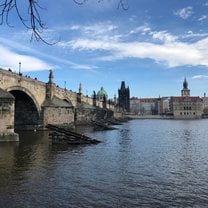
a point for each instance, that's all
(180, 113)
(194, 113)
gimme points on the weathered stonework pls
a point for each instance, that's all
(7, 117)
(48, 103)
(57, 111)
(84, 114)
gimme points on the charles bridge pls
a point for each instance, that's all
(38, 104)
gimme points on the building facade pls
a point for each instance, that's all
(186, 106)
(145, 106)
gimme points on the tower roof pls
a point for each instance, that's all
(123, 85)
(185, 84)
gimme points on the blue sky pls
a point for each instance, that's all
(152, 46)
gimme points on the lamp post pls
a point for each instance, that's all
(19, 68)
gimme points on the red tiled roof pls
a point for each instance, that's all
(189, 98)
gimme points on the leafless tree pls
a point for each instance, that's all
(34, 21)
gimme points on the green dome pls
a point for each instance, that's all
(101, 93)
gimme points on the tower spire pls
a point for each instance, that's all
(185, 84)
(185, 91)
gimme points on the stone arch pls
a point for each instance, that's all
(27, 110)
(26, 91)
(68, 101)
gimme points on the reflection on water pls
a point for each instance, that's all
(145, 163)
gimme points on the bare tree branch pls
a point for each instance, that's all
(34, 21)
(123, 4)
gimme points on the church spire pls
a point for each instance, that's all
(185, 84)
(185, 91)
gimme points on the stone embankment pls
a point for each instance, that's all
(130, 116)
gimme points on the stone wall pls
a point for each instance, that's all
(86, 115)
(57, 115)
(7, 118)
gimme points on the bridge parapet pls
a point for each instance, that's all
(12, 81)
(33, 95)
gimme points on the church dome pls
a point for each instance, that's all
(101, 93)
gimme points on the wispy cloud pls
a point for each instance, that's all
(203, 17)
(169, 49)
(191, 34)
(15, 46)
(184, 13)
(163, 36)
(144, 29)
(200, 77)
(11, 59)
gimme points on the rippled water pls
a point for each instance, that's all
(145, 163)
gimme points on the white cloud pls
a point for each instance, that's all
(184, 13)
(169, 49)
(95, 29)
(200, 77)
(17, 46)
(10, 59)
(163, 36)
(203, 17)
(191, 34)
(171, 53)
(74, 27)
(144, 29)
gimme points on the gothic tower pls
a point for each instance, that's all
(124, 97)
(185, 91)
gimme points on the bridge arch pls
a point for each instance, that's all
(27, 110)
(68, 101)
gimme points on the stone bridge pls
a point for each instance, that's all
(38, 103)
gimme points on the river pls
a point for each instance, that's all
(145, 163)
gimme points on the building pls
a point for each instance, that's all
(186, 106)
(124, 98)
(165, 106)
(145, 106)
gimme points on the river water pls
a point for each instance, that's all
(145, 163)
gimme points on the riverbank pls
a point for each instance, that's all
(130, 116)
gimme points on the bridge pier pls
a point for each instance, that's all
(7, 117)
